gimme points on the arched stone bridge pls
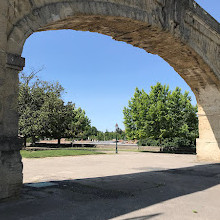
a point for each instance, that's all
(180, 32)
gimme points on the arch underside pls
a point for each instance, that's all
(150, 36)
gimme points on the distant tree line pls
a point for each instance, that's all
(162, 117)
(107, 135)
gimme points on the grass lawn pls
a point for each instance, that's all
(57, 153)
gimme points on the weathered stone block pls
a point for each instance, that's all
(10, 174)
(10, 143)
(15, 62)
(208, 150)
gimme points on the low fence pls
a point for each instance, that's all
(156, 149)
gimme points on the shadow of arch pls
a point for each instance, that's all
(111, 196)
(144, 217)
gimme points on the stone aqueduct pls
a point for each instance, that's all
(180, 32)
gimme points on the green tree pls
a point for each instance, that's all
(161, 115)
(78, 124)
(42, 112)
(30, 101)
(93, 131)
(53, 115)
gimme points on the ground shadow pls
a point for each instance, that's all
(108, 197)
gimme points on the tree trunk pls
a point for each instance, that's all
(58, 141)
(25, 142)
(33, 140)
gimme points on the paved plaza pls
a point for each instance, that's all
(129, 185)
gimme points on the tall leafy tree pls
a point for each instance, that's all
(53, 115)
(43, 113)
(161, 115)
(30, 100)
(78, 124)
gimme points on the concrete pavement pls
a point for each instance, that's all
(124, 186)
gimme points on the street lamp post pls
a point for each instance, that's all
(72, 133)
(116, 130)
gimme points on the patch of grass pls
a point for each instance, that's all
(56, 153)
(113, 149)
(101, 149)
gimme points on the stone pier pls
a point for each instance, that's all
(207, 146)
(10, 145)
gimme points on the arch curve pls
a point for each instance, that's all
(150, 25)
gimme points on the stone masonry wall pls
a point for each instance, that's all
(179, 31)
(10, 174)
(10, 158)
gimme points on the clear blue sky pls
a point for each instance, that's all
(98, 73)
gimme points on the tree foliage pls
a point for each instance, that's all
(43, 113)
(107, 135)
(161, 115)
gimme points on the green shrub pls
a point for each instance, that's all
(172, 145)
(148, 142)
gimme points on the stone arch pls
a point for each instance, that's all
(144, 24)
(180, 32)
